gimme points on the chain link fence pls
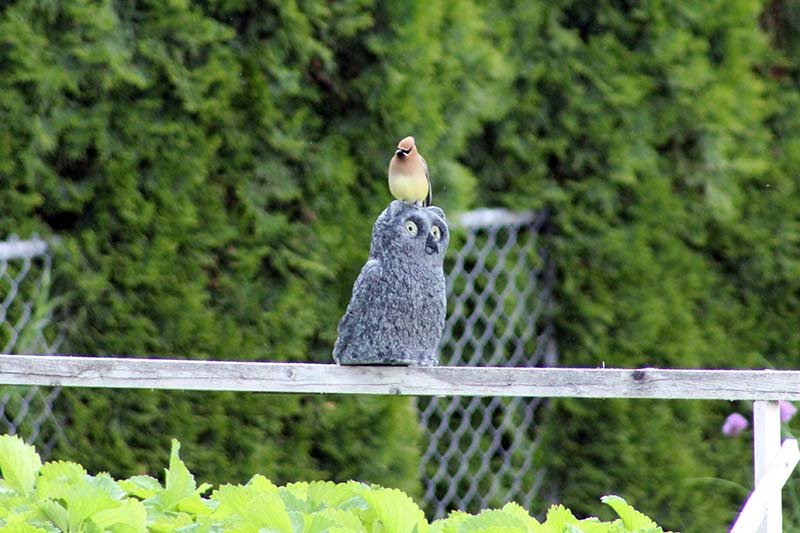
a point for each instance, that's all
(482, 452)
(26, 327)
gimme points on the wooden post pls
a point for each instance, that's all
(766, 443)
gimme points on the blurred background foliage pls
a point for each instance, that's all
(213, 170)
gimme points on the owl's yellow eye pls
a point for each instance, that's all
(436, 232)
(411, 227)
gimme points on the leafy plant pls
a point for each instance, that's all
(61, 496)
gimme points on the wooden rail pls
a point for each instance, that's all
(117, 372)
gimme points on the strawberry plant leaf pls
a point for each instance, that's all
(317, 523)
(61, 497)
(19, 464)
(180, 491)
(558, 517)
(393, 509)
(257, 505)
(21, 528)
(493, 519)
(127, 517)
(631, 518)
(179, 482)
(324, 494)
(520, 513)
(55, 513)
(141, 486)
(346, 520)
(169, 523)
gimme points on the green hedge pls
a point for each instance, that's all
(214, 169)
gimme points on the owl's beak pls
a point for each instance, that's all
(431, 246)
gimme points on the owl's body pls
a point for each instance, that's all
(397, 311)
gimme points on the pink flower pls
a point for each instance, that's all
(734, 424)
(787, 411)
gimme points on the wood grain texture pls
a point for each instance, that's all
(73, 371)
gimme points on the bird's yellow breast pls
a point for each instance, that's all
(409, 187)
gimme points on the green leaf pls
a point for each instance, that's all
(322, 494)
(84, 500)
(631, 518)
(61, 471)
(347, 520)
(13, 504)
(107, 484)
(21, 528)
(558, 517)
(128, 517)
(451, 523)
(179, 482)
(521, 514)
(256, 505)
(493, 519)
(594, 525)
(55, 513)
(169, 523)
(19, 463)
(393, 509)
(141, 486)
(294, 497)
(317, 495)
(180, 491)
(318, 523)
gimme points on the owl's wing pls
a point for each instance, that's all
(354, 323)
(429, 199)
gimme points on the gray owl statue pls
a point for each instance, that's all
(397, 311)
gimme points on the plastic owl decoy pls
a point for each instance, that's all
(397, 311)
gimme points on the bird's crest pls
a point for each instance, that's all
(406, 144)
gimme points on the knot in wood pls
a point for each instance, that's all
(638, 375)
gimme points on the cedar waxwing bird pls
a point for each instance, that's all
(409, 179)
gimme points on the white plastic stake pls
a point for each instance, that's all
(766, 443)
(759, 503)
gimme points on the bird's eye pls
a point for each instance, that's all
(436, 232)
(411, 227)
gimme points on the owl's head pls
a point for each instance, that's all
(404, 232)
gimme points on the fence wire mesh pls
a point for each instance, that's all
(482, 452)
(26, 327)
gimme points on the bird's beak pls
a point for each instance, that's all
(431, 246)
(402, 153)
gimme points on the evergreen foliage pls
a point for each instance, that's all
(213, 171)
